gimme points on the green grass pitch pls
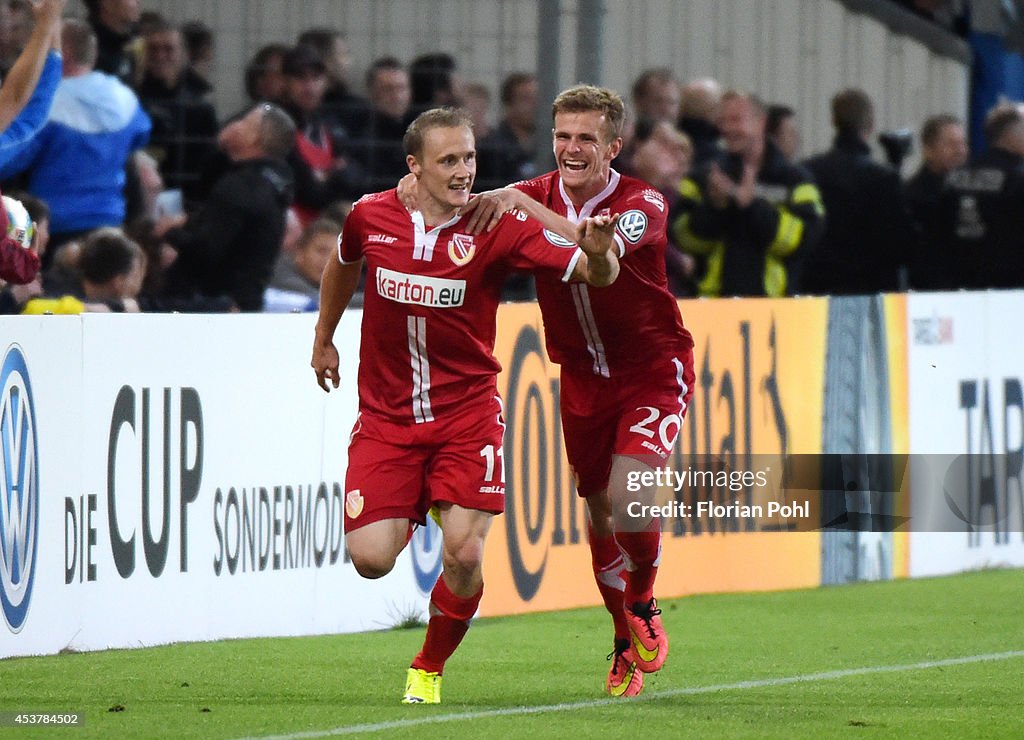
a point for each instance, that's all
(860, 660)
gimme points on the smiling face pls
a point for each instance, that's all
(584, 150)
(165, 55)
(445, 169)
(742, 125)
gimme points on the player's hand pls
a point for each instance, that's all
(325, 364)
(488, 207)
(595, 235)
(408, 194)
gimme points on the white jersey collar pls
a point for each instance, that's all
(590, 205)
(423, 240)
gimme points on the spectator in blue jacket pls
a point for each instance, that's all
(77, 162)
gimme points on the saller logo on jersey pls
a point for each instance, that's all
(420, 290)
(633, 225)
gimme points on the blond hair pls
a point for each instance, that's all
(433, 118)
(585, 98)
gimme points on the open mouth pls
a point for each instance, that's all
(459, 187)
(574, 165)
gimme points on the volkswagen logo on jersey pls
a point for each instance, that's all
(633, 225)
(426, 555)
(19, 488)
(461, 249)
(557, 240)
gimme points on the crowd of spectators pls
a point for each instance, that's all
(146, 199)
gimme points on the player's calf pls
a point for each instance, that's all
(456, 595)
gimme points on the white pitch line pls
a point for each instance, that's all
(608, 701)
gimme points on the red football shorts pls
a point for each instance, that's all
(638, 415)
(398, 471)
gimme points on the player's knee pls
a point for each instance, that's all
(372, 564)
(466, 556)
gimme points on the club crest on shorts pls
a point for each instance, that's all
(354, 504)
(633, 225)
(461, 249)
(558, 240)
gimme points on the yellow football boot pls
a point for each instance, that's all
(422, 687)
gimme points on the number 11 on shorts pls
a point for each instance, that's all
(488, 453)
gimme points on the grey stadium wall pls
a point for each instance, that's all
(795, 52)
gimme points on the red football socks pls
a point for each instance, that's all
(445, 630)
(642, 551)
(609, 568)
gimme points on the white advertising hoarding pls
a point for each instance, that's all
(189, 475)
(966, 367)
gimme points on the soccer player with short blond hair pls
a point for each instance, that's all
(429, 430)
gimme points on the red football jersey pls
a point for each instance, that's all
(626, 325)
(431, 301)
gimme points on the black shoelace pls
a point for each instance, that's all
(647, 612)
(621, 646)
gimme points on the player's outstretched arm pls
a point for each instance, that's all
(598, 265)
(487, 209)
(337, 286)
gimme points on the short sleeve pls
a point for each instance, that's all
(538, 250)
(642, 221)
(533, 188)
(350, 240)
